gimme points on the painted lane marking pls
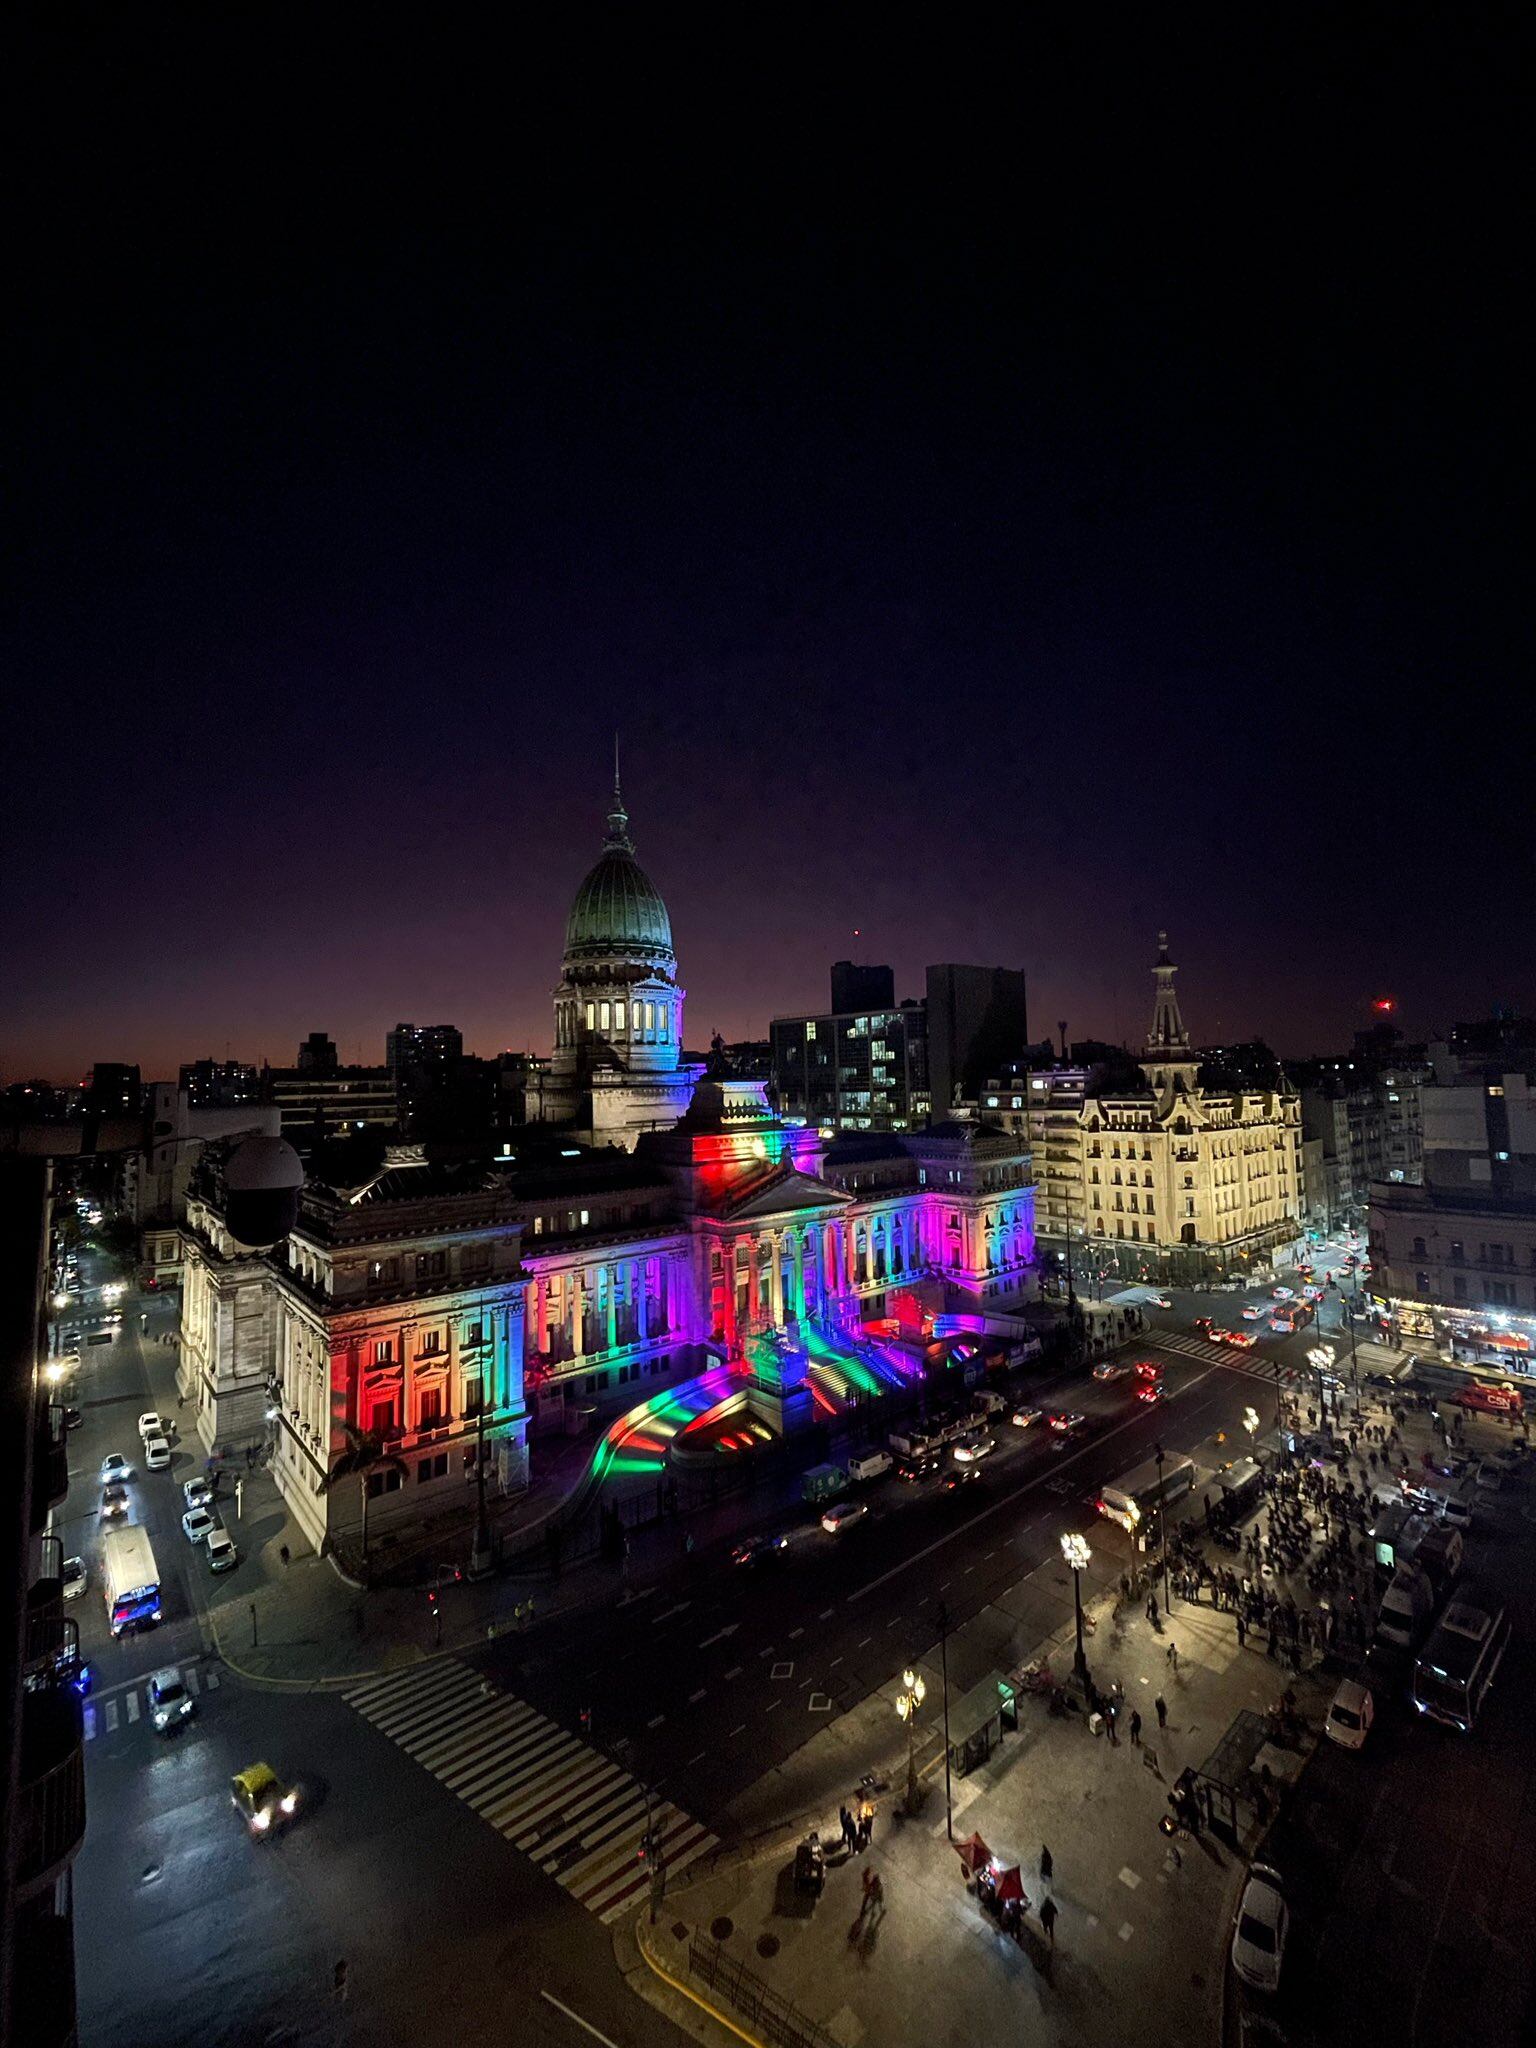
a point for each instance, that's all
(1008, 1500)
(576, 2020)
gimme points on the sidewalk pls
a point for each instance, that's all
(1137, 1930)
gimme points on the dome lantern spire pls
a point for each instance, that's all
(618, 818)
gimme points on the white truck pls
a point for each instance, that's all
(130, 1578)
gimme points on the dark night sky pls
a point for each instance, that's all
(1007, 497)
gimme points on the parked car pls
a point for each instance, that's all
(157, 1454)
(222, 1554)
(76, 1577)
(196, 1493)
(843, 1514)
(1350, 1715)
(153, 1425)
(197, 1525)
(1490, 1476)
(1258, 1939)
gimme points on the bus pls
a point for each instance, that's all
(1456, 1666)
(1134, 1500)
(131, 1579)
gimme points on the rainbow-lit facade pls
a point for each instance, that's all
(709, 1275)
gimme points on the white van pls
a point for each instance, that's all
(873, 1465)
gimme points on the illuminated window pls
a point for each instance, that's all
(619, 1015)
(591, 1016)
(810, 1027)
(603, 1016)
(666, 1024)
(383, 1351)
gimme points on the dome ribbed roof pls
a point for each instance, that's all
(617, 909)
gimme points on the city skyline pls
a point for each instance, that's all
(362, 1040)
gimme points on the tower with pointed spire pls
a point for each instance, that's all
(1166, 1059)
(617, 1067)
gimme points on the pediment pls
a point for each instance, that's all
(782, 1194)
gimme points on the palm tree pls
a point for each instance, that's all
(365, 1454)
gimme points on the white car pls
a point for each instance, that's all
(1490, 1477)
(1258, 1939)
(115, 1468)
(153, 1425)
(843, 1514)
(197, 1525)
(1160, 1301)
(1251, 1315)
(972, 1449)
(1026, 1418)
(170, 1704)
(1108, 1370)
(76, 1578)
(222, 1554)
(157, 1454)
(196, 1492)
(1351, 1714)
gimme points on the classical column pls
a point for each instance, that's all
(611, 1284)
(576, 1294)
(642, 1272)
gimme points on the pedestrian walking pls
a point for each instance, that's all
(1048, 1920)
(1152, 1609)
(849, 1832)
(282, 1551)
(1242, 1632)
(1161, 1706)
(1173, 1655)
(866, 1825)
(1111, 1713)
(1135, 1729)
(1047, 1866)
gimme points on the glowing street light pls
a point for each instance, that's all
(1251, 1422)
(1078, 1556)
(907, 1703)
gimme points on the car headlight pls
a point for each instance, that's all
(290, 1801)
(261, 1819)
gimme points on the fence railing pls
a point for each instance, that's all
(765, 2009)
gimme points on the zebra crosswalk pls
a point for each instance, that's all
(579, 1816)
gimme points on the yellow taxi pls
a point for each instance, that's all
(262, 1800)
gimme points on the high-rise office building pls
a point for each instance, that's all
(863, 1070)
(429, 1052)
(977, 1026)
(220, 1084)
(318, 1055)
(861, 988)
(113, 1089)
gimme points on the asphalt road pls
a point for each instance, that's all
(1411, 1864)
(719, 1672)
(188, 1930)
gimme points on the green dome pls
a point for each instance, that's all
(617, 910)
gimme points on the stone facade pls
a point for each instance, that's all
(1157, 1176)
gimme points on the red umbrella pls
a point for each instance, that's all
(1008, 1884)
(974, 1854)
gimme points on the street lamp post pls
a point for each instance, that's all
(1162, 1524)
(1077, 1554)
(908, 1700)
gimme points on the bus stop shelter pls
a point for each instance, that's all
(977, 1721)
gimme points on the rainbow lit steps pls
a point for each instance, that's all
(578, 1816)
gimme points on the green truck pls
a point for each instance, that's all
(822, 1482)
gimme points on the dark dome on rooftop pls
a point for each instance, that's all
(617, 908)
